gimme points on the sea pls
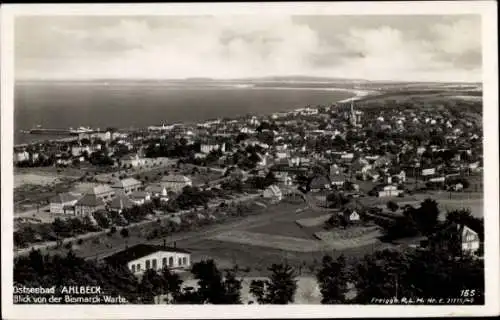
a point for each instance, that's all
(130, 104)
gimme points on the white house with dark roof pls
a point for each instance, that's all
(120, 202)
(142, 257)
(62, 201)
(132, 161)
(158, 191)
(140, 197)
(102, 191)
(89, 204)
(127, 185)
(175, 182)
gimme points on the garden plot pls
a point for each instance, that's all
(271, 241)
(313, 222)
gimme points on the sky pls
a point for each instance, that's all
(400, 48)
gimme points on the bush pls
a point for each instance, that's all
(112, 230)
(124, 233)
(80, 242)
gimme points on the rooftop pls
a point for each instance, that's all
(63, 198)
(90, 200)
(127, 182)
(139, 251)
(175, 178)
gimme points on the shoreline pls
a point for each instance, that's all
(358, 95)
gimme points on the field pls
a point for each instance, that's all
(34, 179)
(269, 235)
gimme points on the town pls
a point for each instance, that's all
(397, 172)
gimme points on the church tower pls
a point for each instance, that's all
(352, 115)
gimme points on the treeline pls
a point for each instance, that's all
(385, 274)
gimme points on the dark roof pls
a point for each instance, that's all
(120, 202)
(90, 200)
(138, 251)
(318, 182)
(63, 198)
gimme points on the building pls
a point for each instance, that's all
(389, 191)
(273, 192)
(158, 191)
(21, 156)
(175, 182)
(127, 185)
(142, 257)
(132, 161)
(469, 239)
(319, 183)
(457, 238)
(63, 202)
(103, 191)
(208, 147)
(89, 204)
(120, 202)
(351, 215)
(140, 197)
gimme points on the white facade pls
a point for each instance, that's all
(58, 207)
(160, 259)
(470, 240)
(273, 192)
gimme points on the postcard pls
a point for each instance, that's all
(249, 160)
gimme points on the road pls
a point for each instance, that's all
(51, 244)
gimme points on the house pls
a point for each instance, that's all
(127, 185)
(120, 202)
(158, 191)
(102, 191)
(208, 147)
(273, 192)
(132, 161)
(319, 183)
(63, 201)
(389, 191)
(458, 238)
(140, 197)
(142, 257)
(21, 156)
(175, 182)
(338, 179)
(351, 215)
(457, 187)
(88, 204)
(469, 239)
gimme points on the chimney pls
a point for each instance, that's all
(175, 244)
(164, 243)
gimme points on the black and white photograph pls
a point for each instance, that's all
(250, 155)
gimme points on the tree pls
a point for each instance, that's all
(379, 275)
(279, 289)
(332, 280)
(171, 285)
(426, 216)
(213, 288)
(393, 206)
(150, 286)
(124, 232)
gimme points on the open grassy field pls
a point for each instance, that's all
(203, 243)
(34, 179)
(271, 241)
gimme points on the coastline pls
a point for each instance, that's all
(358, 95)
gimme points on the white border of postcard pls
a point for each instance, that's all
(487, 9)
